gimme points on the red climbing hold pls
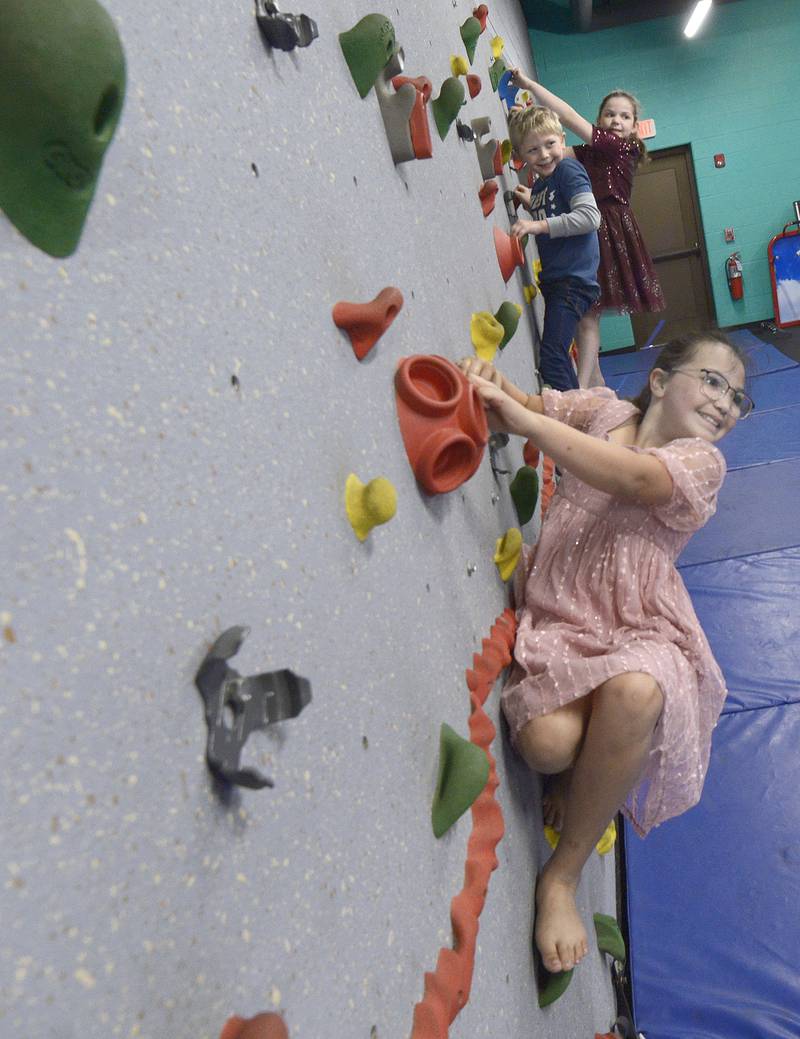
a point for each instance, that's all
(365, 323)
(262, 1026)
(473, 84)
(486, 194)
(509, 253)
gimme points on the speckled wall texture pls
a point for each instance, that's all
(151, 500)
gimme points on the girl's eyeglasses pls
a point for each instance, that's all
(715, 386)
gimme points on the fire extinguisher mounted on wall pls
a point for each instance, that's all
(733, 271)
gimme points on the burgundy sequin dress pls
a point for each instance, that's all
(601, 597)
(628, 281)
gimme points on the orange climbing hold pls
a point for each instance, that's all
(262, 1026)
(486, 194)
(548, 483)
(365, 323)
(418, 123)
(447, 988)
(473, 84)
(442, 421)
(509, 252)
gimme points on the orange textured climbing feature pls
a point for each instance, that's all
(365, 323)
(418, 124)
(548, 483)
(509, 252)
(262, 1026)
(447, 988)
(442, 421)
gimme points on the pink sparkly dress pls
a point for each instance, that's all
(628, 281)
(601, 597)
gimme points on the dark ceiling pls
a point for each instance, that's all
(592, 15)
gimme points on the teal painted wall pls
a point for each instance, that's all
(734, 88)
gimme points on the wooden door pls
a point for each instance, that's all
(665, 203)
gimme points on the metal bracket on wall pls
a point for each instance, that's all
(284, 31)
(236, 706)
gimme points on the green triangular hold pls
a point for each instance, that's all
(496, 70)
(524, 492)
(470, 31)
(508, 315)
(609, 936)
(552, 986)
(463, 772)
(447, 105)
(367, 48)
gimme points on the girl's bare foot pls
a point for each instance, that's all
(559, 933)
(554, 799)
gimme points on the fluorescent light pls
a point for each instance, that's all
(696, 18)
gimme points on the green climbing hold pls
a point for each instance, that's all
(463, 773)
(62, 84)
(609, 936)
(367, 48)
(552, 986)
(508, 315)
(524, 492)
(496, 70)
(470, 31)
(448, 104)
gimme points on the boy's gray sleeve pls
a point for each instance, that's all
(584, 216)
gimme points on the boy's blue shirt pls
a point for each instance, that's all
(577, 256)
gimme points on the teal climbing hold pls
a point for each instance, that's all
(609, 936)
(463, 773)
(524, 492)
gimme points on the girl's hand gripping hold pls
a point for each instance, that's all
(503, 413)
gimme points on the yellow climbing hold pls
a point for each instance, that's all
(603, 846)
(497, 45)
(369, 505)
(506, 552)
(486, 333)
(537, 270)
(530, 292)
(505, 150)
(459, 65)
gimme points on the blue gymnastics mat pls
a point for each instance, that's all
(713, 895)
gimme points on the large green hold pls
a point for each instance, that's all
(367, 48)
(62, 84)
(524, 492)
(470, 31)
(463, 773)
(609, 936)
(448, 104)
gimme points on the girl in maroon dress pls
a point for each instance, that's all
(628, 281)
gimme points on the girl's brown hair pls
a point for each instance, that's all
(637, 111)
(679, 351)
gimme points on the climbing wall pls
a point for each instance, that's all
(180, 418)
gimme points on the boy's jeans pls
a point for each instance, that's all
(565, 303)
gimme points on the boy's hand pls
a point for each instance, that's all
(503, 414)
(522, 195)
(523, 227)
(519, 79)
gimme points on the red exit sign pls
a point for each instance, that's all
(647, 128)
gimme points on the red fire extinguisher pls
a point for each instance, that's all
(733, 270)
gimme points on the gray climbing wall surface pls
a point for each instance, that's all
(179, 417)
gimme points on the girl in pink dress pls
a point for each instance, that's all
(614, 690)
(613, 150)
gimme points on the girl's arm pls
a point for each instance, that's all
(566, 113)
(607, 467)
